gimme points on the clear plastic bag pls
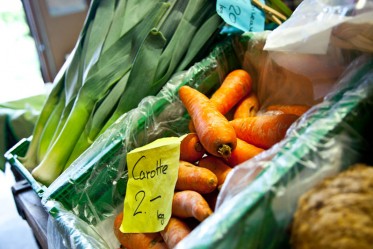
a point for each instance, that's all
(318, 24)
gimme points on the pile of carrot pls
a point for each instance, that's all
(225, 130)
(229, 125)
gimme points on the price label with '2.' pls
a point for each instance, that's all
(152, 175)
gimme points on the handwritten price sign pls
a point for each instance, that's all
(241, 14)
(152, 175)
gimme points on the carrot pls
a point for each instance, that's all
(243, 152)
(213, 129)
(192, 177)
(189, 203)
(247, 107)
(217, 166)
(191, 149)
(174, 232)
(236, 85)
(289, 109)
(137, 240)
(263, 131)
(191, 127)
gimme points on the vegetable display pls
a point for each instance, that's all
(126, 50)
(244, 198)
(203, 169)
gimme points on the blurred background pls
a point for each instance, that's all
(20, 76)
(37, 36)
(19, 65)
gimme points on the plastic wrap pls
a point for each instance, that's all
(316, 25)
(322, 36)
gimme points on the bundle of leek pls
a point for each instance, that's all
(127, 50)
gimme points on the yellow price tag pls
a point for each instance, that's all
(152, 175)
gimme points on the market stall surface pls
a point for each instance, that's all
(19, 78)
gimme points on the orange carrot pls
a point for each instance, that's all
(191, 127)
(174, 232)
(189, 203)
(263, 131)
(247, 107)
(289, 109)
(137, 240)
(213, 129)
(243, 152)
(192, 177)
(191, 149)
(235, 86)
(217, 166)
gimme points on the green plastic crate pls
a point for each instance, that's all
(19, 150)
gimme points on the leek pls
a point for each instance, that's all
(30, 159)
(126, 51)
(54, 161)
(150, 49)
(50, 128)
(46, 126)
(182, 24)
(105, 75)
